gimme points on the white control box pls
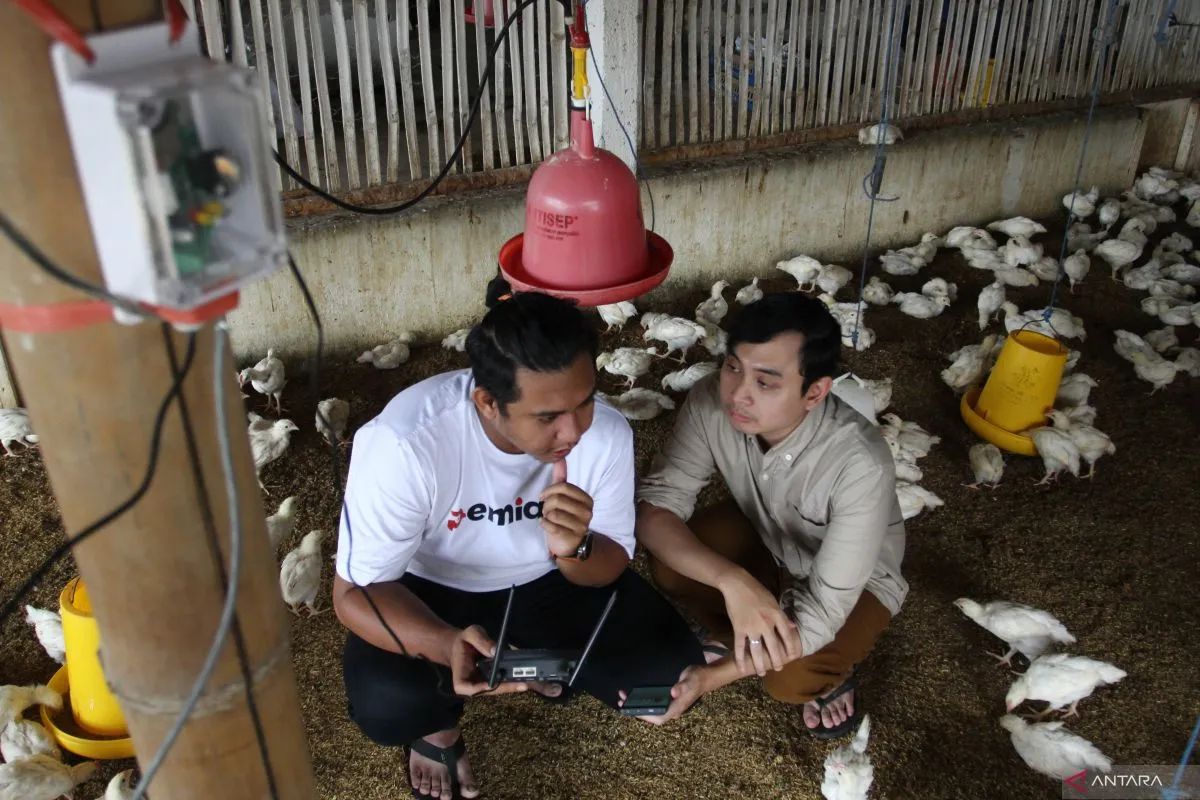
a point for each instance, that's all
(173, 156)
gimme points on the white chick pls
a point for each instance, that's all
(991, 298)
(281, 524)
(750, 293)
(615, 315)
(388, 355)
(1135, 230)
(677, 333)
(681, 380)
(1162, 339)
(269, 440)
(714, 309)
(1110, 212)
(715, 340)
(1193, 216)
(332, 416)
(919, 306)
(914, 499)
(1017, 226)
(1077, 265)
(848, 769)
(1046, 268)
(1020, 252)
(907, 470)
(457, 340)
(1092, 443)
(1080, 204)
(1165, 287)
(833, 277)
(940, 287)
(909, 436)
(267, 377)
(1062, 323)
(879, 134)
(22, 738)
(1025, 629)
(989, 260)
(898, 263)
(877, 293)
(1156, 371)
(1016, 277)
(1118, 253)
(804, 269)
(1188, 360)
(1060, 680)
(630, 363)
(860, 338)
(300, 574)
(987, 463)
(969, 365)
(1058, 452)
(41, 778)
(1080, 236)
(15, 429)
(121, 787)
(1183, 273)
(926, 249)
(15, 699)
(1075, 389)
(1081, 414)
(47, 625)
(1143, 277)
(1052, 751)
(1129, 343)
(641, 404)
(651, 317)
(964, 237)
(1168, 311)
(1176, 243)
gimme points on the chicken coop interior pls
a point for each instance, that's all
(981, 192)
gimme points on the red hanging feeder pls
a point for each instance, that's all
(584, 236)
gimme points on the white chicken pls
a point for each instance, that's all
(281, 524)
(1058, 453)
(677, 333)
(331, 417)
(969, 365)
(1045, 268)
(1091, 442)
(641, 404)
(898, 263)
(47, 626)
(1128, 343)
(1061, 680)
(1081, 237)
(681, 380)
(919, 306)
(15, 429)
(1165, 287)
(651, 317)
(121, 787)
(964, 237)
(909, 437)
(1016, 277)
(1183, 273)
(1077, 265)
(457, 340)
(300, 574)
(1168, 310)
(1156, 370)
(877, 293)
(1025, 629)
(1109, 212)
(1046, 748)
(267, 377)
(714, 309)
(858, 336)
(991, 298)
(1062, 323)
(1080, 204)
(1188, 360)
(833, 277)
(1074, 389)
(269, 440)
(989, 260)
(15, 699)
(987, 464)
(615, 315)
(1143, 277)
(750, 293)
(914, 499)
(389, 355)
(1118, 254)
(879, 134)
(22, 738)
(715, 340)
(848, 769)
(630, 363)
(926, 249)
(1017, 226)
(1019, 252)
(1162, 339)
(41, 778)
(907, 470)
(804, 269)
(940, 287)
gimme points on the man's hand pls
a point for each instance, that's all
(690, 687)
(566, 514)
(759, 625)
(469, 645)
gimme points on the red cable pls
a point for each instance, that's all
(56, 26)
(178, 20)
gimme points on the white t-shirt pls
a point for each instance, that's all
(428, 493)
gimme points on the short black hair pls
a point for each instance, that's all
(785, 312)
(527, 329)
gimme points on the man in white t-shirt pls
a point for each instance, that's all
(469, 483)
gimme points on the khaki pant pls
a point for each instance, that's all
(727, 531)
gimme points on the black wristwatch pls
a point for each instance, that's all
(584, 551)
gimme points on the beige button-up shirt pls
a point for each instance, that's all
(823, 500)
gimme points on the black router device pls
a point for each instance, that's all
(559, 666)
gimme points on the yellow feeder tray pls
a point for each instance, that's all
(70, 736)
(1019, 443)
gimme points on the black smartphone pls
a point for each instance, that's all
(647, 701)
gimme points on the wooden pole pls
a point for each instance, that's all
(153, 577)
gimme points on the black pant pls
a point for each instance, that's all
(395, 699)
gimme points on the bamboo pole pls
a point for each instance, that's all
(153, 580)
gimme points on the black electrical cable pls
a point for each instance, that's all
(446, 167)
(208, 521)
(92, 529)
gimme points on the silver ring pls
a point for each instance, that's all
(755, 641)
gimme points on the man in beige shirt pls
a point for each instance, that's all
(798, 575)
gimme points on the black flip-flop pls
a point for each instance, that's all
(850, 723)
(448, 757)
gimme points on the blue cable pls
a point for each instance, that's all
(1172, 792)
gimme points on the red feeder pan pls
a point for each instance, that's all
(584, 235)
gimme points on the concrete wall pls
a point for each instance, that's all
(1165, 131)
(426, 272)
